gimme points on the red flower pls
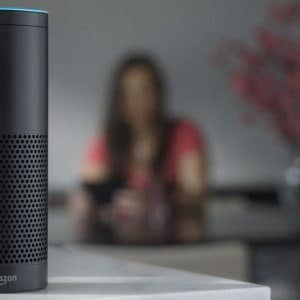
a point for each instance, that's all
(286, 101)
(262, 102)
(292, 126)
(269, 78)
(269, 40)
(241, 83)
(251, 58)
(290, 57)
(265, 91)
(293, 81)
(285, 13)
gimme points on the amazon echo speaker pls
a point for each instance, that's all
(23, 149)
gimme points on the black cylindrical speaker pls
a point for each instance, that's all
(23, 149)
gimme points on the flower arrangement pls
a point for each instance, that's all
(267, 76)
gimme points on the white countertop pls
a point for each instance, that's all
(75, 274)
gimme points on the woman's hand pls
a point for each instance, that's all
(129, 216)
(189, 230)
(189, 198)
(84, 215)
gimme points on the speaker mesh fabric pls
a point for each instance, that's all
(23, 198)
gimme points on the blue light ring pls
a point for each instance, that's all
(23, 9)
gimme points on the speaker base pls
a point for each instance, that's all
(17, 278)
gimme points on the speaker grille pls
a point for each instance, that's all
(23, 198)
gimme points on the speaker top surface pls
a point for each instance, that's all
(23, 17)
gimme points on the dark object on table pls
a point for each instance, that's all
(103, 192)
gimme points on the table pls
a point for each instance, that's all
(76, 274)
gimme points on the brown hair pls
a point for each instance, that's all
(118, 132)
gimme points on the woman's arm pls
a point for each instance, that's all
(135, 209)
(190, 197)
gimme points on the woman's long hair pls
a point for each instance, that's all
(118, 132)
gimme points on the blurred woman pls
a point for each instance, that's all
(144, 179)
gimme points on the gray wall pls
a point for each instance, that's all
(86, 38)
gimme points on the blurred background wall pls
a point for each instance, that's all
(88, 37)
